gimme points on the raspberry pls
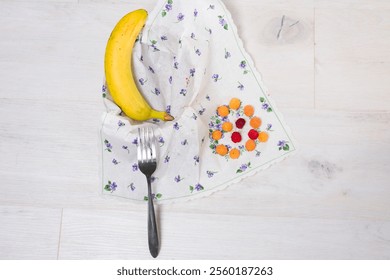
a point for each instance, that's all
(240, 123)
(253, 134)
(236, 137)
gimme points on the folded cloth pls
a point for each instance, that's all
(190, 62)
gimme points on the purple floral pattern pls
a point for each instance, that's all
(216, 77)
(131, 187)
(104, 90)
(178, 178)
(161, 141)
(167, 8)
(124, 147)
(265, 105)
(108, 145)
(110, 186)
(180, 17)
(176, 126)
(211, 174)
(223, 22)
(153, 45)
(198, 187)
(240, 86)
(243, 167)
(196, 159)
(195, 13)
(120, 124)
(227, 54)
(243, 66)
(142, 81)
(283, 145)
(156, 91)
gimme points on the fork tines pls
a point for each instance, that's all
(146, 149)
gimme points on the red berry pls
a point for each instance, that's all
(236, 137)
(253, 134)
(240, 123)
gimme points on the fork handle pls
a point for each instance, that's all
(153, 240)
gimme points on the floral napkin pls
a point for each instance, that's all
(190, 62)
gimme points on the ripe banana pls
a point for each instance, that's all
(118, 71)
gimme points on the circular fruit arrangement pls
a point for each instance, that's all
(235, 129)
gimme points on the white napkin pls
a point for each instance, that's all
(189, 60)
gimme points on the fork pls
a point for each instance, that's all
(147, 164)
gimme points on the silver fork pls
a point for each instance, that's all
(147, 163)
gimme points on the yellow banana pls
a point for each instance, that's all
(118, 71)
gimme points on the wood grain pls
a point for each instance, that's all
(29, 232)
(121, 235)
(352, 59)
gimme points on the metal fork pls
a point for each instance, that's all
(147, 163)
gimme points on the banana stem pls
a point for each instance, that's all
(168, 117)
(161, 115)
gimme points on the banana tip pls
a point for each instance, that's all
(168, 117)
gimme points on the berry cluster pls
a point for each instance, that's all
(221, 125)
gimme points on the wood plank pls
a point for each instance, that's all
(29, 232)
(352, 59)
(122, 235)
(97, 234)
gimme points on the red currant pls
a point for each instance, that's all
(253, 134)
(240, 123)
(236, 137)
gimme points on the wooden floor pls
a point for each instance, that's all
(327, 66)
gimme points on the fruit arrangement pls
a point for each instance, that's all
(235, 129)
(118, 71)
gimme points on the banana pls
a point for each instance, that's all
(118, 71)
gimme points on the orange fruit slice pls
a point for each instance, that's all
(263, 136)
(234, 153)
(255, 122)
(223, 111)
(249, 110)
(250, 145)
(217, 134)
(235, 103)
(221, 150)
(227, 126)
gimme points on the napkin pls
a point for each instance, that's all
(190, 62)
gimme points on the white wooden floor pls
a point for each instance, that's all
(328, 70)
